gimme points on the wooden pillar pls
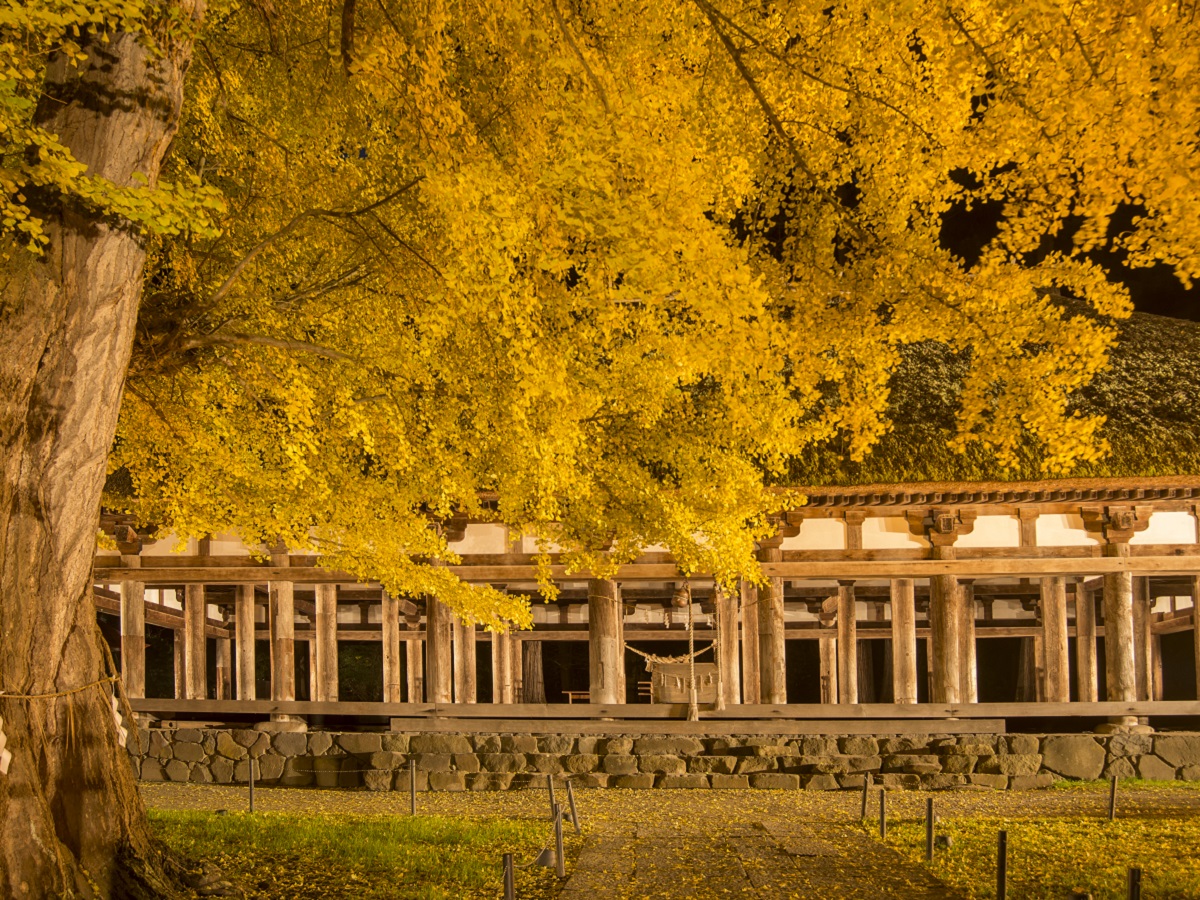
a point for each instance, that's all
(325, 643)
(772, 664)
(533, 683)
(390, 632)
(726, 617)
(847, 644)
(243, 633)
(133, 637)
(969, 683)
(827, 648)
(904, 641)
(1085, 644)
(945, 644)
(1142, 638)
(224, 672)
(1156, 686)
(281, 611)
(751, 684)
(1120, 670)
(1055, 668)
(606, 655)
(195, 617)
(465, 676)
(414, 666)
(502, 668)
(177, 639)
(439, 675)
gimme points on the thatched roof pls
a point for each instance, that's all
(1150, 395)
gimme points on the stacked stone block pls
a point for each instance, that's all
(455, 762)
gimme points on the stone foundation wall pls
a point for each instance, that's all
(455, 762)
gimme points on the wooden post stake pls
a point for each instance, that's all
(1112, 800)
(560, 862)
(572, 807)
(1002, 866)
(510, 891)
(412, 787)
(1134, 884)
(929, 829)
(882, 814)
(550, 788)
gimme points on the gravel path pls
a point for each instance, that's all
(698, 844)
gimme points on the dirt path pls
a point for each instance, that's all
(700, 844)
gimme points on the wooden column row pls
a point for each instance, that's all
(1131, 672)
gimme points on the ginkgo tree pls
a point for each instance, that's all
(610, 265)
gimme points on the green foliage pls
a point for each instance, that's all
(318, 856)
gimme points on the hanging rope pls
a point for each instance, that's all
(652, 658)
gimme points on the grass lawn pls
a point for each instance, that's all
(325, 856)
(1048, 857)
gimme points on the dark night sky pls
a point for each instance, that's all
(1155, 290)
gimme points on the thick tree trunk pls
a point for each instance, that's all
(71, 822)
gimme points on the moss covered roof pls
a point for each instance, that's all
(1149, 394)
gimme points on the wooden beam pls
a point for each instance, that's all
(1064, 561)
(1142, 639)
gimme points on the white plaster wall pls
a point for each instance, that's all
(528, 544)
(1168, 528)
(227, 545)
(992, 531)
(818, 534)
(167, 545)
(1062, 531)
(483, 537)
(890, 533)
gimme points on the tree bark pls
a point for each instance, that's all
(71, 821)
